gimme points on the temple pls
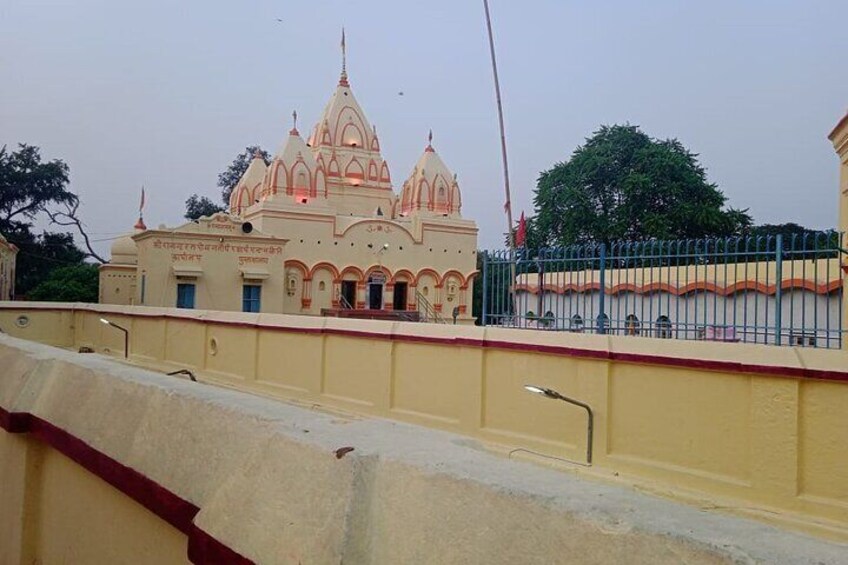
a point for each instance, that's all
(319, 230)
(8, 257)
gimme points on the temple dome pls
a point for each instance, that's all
(249, 186)
(294, 172)
(431, 188)
(124, 250)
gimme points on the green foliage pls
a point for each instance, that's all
(228, 179)
(623, 184)
(29, 187)
(197, 206)
(787, 230)
(74, 283)
(40, 255)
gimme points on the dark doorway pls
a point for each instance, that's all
(399, 302)
(348, 301)
(375, 291)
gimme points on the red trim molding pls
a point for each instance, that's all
(600, 354)
(177, 511)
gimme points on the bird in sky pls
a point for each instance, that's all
(400, 93)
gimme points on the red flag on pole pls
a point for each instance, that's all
(521, 233)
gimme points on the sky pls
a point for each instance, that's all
(164, 94)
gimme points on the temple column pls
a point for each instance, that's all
(361, 288)
(389, 296)
(839, 137)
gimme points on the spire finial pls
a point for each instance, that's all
(139, 225)
(294, 124)
(343, 78)
(429, 148)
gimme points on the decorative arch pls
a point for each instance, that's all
(441, 194)
(325, 135)
(256, 193)
(354, 169)
(384, 173)
(406, 198)
(409, 275)
(300, 265)
(423, 198)
(456, 199)
(320, 182)
(372, 171)
(242, 194)
(376, 221)
(360, 276)
(457, 274)
(352, 136)
(469, 278)
(324, 266)
(431, 272)
(301, 179)
(342, 123)
(276, 182)
(333, 168)
(381, 268)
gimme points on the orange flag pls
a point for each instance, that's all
(521, 232)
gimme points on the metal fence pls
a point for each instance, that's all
(780, 290)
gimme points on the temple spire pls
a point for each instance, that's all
(343, 79)
(139, 225)
(294, 124)
(429, 147)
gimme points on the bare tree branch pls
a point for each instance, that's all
(69, 218)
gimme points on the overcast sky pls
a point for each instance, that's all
(166, 93)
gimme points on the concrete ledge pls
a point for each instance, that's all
(735, 357)
(271, 486)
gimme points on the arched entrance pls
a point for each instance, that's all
(376, 284)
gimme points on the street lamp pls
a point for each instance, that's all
(126, 335)
(554, 395)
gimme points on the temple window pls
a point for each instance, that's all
(251, 298)
(185, 295)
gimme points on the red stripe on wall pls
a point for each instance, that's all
(660, 360)
(177, 511)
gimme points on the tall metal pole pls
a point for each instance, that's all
(508, 205)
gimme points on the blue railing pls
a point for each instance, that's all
(780, 290)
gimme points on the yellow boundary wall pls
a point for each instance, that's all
(745, 426)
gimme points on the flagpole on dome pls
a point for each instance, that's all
(139, 225)
(343, 78)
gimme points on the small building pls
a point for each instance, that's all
(215, 263)
(318, 231)
(8, 259)
(717, 302)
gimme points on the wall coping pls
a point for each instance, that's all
(237, 519)
(791, 362)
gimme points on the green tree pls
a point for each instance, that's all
(39, 255)
(29, 188)
(197, 206)
(74, 283)
(623, 184)
(228, 179)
